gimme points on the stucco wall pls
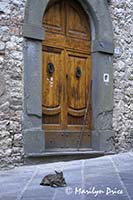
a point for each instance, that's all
(12, 69)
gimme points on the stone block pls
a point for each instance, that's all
(2, 46)
(33, 31)
(102, 140)
(2, 85)
(104, 121)
(33, 141)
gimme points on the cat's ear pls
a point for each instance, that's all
(61, 173)
(57, 172)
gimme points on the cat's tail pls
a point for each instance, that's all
(41, 183)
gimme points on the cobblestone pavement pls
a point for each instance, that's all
(104, 178)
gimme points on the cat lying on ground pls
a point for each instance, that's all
(54, 180)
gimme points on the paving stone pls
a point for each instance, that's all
(12, 68)
(99, 174)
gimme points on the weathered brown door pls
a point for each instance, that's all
(66, 75)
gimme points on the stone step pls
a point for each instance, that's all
(57, 155)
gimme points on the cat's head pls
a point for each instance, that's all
(61, 179)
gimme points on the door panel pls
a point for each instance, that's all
(51, 93)
(54, 18)
(66, 75)
(75, 22)
(77, 88)
(66, 18)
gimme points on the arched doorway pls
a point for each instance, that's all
(102, 73)
(66, 75)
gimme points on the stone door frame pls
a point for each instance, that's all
(102, 74)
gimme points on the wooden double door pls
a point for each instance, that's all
(66, 75)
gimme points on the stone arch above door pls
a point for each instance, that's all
(102, 74)
(96, 9)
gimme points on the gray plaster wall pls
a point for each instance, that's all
(20, 77)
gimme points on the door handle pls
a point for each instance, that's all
(78, 72)
(50, 68)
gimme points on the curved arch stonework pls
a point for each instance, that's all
(102, 74)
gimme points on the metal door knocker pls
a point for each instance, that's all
(78, 72)
(50, 68)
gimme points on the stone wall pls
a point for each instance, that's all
(122, 18)
(11, 82)
(11, 78)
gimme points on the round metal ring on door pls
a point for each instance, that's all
(78, 72)
(50, 68)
